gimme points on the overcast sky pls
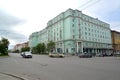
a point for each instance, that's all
(20, 18)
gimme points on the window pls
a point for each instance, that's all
(60, 37)
(92, 30)
(90, 39)
(73, 30)
(95, 39)
(79, 36)
(79, 30)
(73, 25)
(89, 29)
(86, 44)
(73, 20)
(98, 36)
(73, 36)
(88, 19)
(89, 34)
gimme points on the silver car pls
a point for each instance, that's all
(27, 55)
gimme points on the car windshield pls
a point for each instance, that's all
(27, 53)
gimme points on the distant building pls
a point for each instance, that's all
(20, 46)
(116, 41)
(17, 47)
(75, 32)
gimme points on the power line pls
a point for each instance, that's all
(116, 25)
(91, 4)
(85, 3)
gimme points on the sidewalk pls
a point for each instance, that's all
(6, 77)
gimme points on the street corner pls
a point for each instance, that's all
(6, 76)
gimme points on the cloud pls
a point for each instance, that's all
(107, 11)
(12, 35)
(8, 21)
(7, 24)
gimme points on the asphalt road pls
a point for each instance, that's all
(42, 67)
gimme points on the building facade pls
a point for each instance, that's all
(116, 41)
(75, 32)
(20, 46)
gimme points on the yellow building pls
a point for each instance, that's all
(116, 41)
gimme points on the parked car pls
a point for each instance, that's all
(85, 55)
(56, 55)
(22, 53)
(99, 55)
(26, 55)
(117, 54)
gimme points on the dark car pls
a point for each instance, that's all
(117, 54)
(27, 55)
(99, 55)
(85, 55)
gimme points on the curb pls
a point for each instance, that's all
(1, 57)
(14, 76)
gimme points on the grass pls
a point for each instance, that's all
(4, 55)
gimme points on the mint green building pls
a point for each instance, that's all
(75, 32)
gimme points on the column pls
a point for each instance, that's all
(63, 47)
(77, 47)
(82, 47)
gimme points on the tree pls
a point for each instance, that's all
(34, 50)
(51, 46)
(25, 49)
(16, 51)
(43, 48)
(39, 49)
(4, 43)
